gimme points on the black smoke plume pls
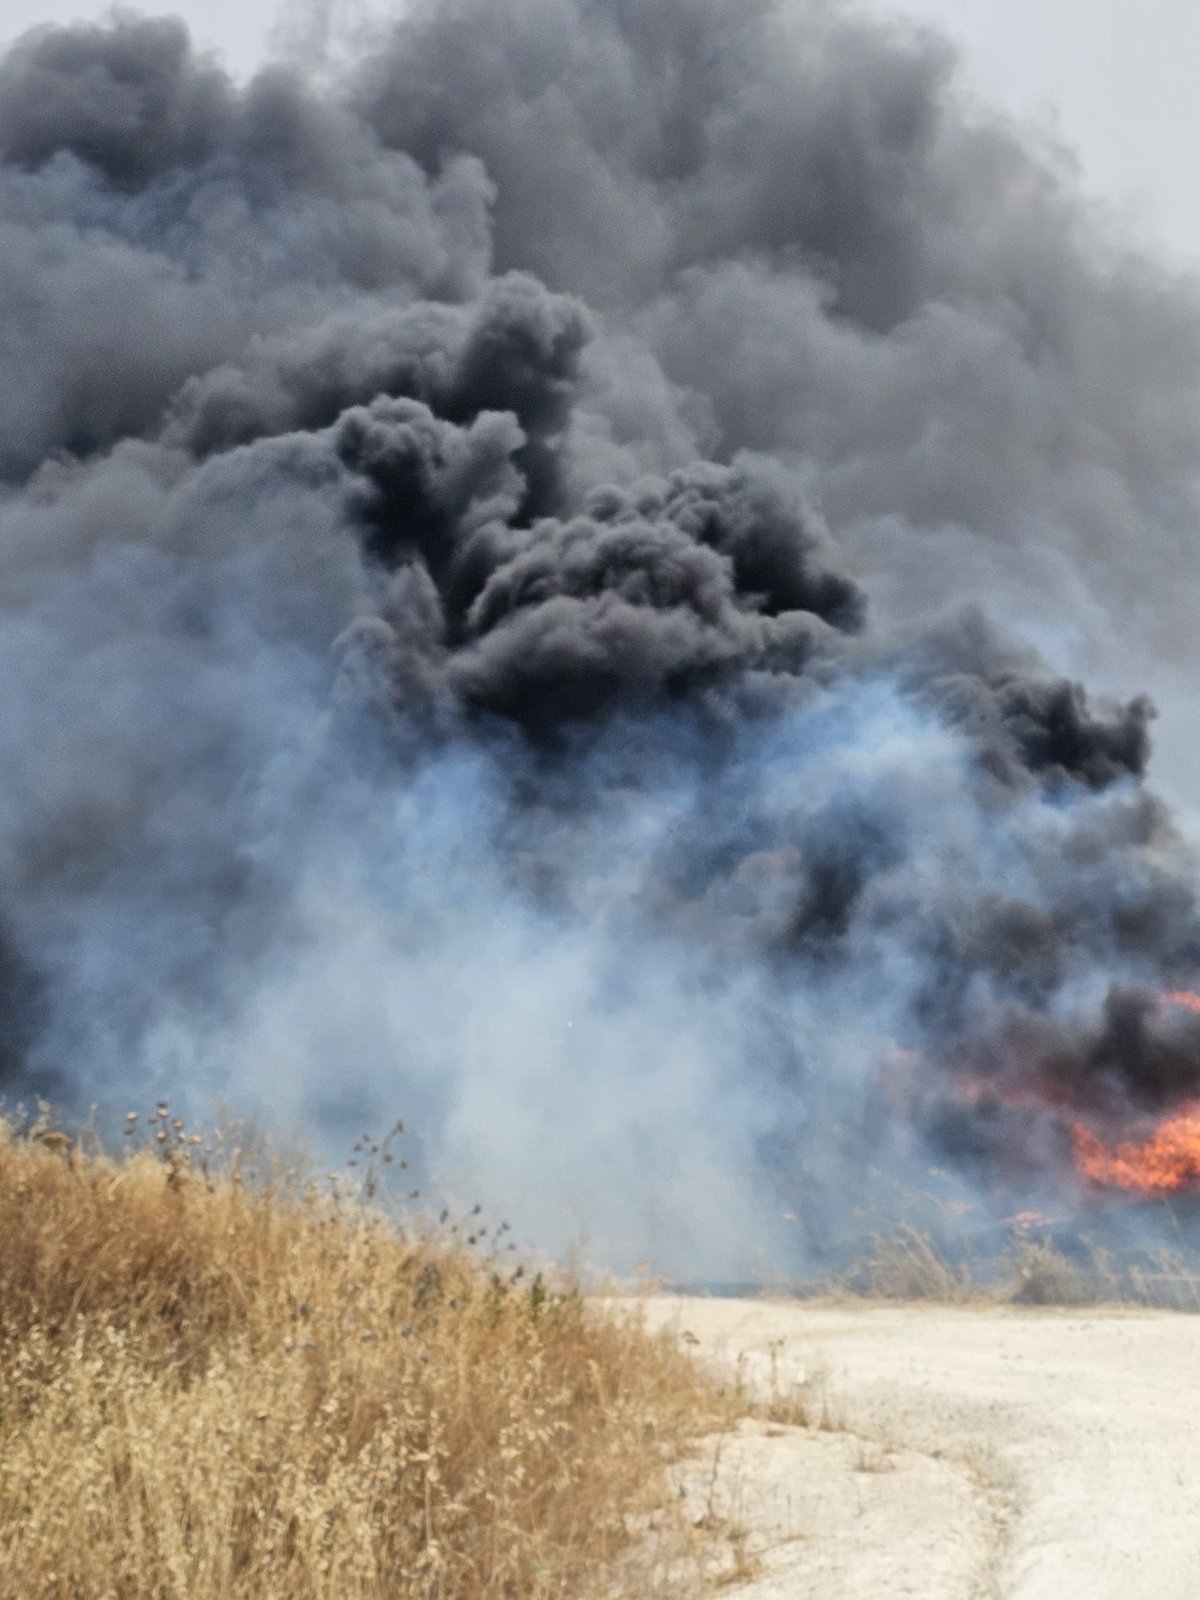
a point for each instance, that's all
(543, 584)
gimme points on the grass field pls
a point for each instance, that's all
(213, 1386)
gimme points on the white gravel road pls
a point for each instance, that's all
(1028, 1455)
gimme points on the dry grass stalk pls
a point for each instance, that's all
(216, 1390)
(908, 1266)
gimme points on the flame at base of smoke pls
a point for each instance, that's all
(1164, 1163)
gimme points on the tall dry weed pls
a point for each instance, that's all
(908, 1265)
(213, 1389)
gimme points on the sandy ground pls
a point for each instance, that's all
(967, 1453)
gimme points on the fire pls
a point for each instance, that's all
(1149, 1160)
(1166, 1162)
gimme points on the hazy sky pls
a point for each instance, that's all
(1117, 81)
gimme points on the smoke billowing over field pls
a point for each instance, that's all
(542, 583)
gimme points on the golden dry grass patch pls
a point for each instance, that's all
(217, 1389)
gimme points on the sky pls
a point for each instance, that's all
(1115, 81)
(1112, 81)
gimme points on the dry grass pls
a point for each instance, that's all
(213, 1389)
(908, 1265)
(1036, 1273)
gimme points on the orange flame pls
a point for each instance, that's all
(1166, 1162)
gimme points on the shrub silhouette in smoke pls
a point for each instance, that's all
(431, 677)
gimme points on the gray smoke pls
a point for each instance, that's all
(542, 588)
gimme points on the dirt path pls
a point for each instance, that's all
(1022, 1455)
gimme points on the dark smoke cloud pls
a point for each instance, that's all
(544, 586)
(792, 208)
(129, 101)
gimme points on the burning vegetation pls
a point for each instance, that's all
(1166, 1161)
